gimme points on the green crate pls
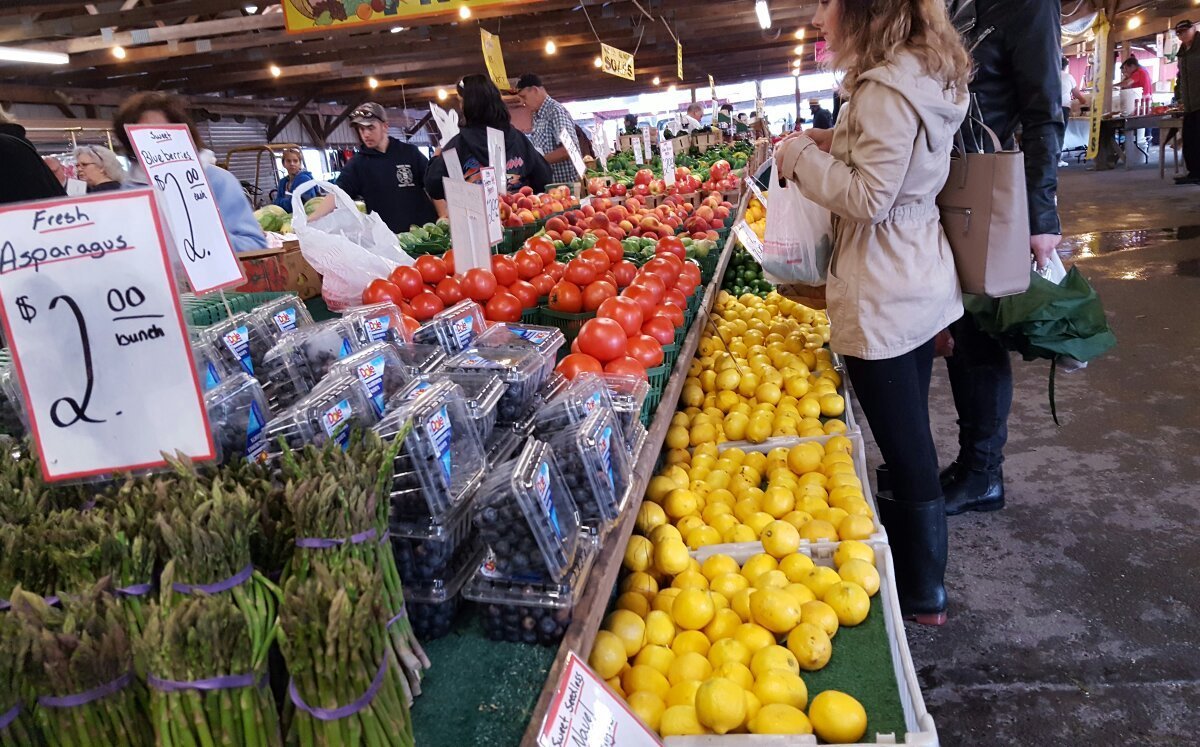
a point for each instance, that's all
(531, 315)
(670, 354)
(565, 321)
(210, 309)
(658, 381)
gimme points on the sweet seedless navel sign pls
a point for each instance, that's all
(585, 713)
(93, 322)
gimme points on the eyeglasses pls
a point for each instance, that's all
(365, 114)
(81, 164)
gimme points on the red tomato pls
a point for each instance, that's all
(671, 244)
(627, 366)
(574, 346)
(660, 328)
(624, 271)
(448, 260)
(408, 280)
(652, 283)
(505, 269)
(598, 257)
(503, 307)
(565, 296)
(425, 305)
(625, 311)
(663, 270)
(612, 247)
(676, 298)
(382, 291)
(543, 283)
(555, 269)
(603, 339)
(529, 263)
(675, 261)
(450, 291)
(690, 275)
(411, 324)
(673, 313)
(580, 272)
(544, 248)
(644, 296)
(597, 293)
(479, 284)
(610, 278)
(432, 269)
(577, 363)
(646, 350)
(525, 293)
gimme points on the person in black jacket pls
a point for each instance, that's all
(482, 108)
(1015, 47)
(26, 176)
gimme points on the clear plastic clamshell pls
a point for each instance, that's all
(237, 416)
(379, 369)
(596, 468)
(302, 357)
(242, 341)
(520, 369)
(545, 340)
(285, 313)
(483, 392)
(331, 411)
(380, 322)
(454, 328)
(585, 394)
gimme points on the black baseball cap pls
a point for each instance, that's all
(1183, 26)
(528, 80)
(367, 113)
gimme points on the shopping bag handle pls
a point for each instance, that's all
(299, 217)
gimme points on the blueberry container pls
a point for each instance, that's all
(635, 439)
(503, 445)
(302, 357)
(380, 322)
(241, 341)
(628, 395)
(211, 367)
(527, 516)
(422, 359)
(455, 328)
(237, 416)
(520, 369)
(545, 340)
(285, 313)
(441, 462)
(429, 550)
(433, 606)
(379, 369)
(13, 421)
(331, 411)
(595, 466)
(483, 392)
(585, 394)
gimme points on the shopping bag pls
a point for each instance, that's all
(798, 240)
(348, 248)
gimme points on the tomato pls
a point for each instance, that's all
(425, 305)
(671, 244)
(673, 313)
(410, 324)
(675, 261)
(603, 339)
(690, 275)
(612, 247)
(432, 269)
(625, 311)
(652, 283)
(479, 284)
(382, 291)
(643, 296)
(597, 293)
(598, 258)
(660, 328)
(555, 270)
(448, 260)
(529, 263)
(505, 269)
(676, 298)
(624, 271)
(450, 291)
(544, 248)
(408, 280)
(543, 283)
(580, 272)
(627, 366)
(646, 349)
(576, 363)
(663, 270)
(525, 293)
(503, 307)
(719, 170)
(565, 296)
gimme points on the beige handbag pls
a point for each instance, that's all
(985, 214)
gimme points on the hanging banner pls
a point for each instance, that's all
(1102, 78)
(302, 16)
(616, 62)
(679, 60)
(494, 59)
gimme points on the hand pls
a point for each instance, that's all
(1042, 245)
(823, 138)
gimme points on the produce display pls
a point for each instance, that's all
(278, 220)
(717, 169)
(745, 275)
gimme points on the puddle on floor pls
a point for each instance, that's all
(1084, 245)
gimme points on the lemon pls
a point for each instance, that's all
(689, 579)
(704, 535)
(832, 515)
(781, 686)
(720, 705)
(643, 678)
(745, 508)
(680, 503)
(861, 573)
(679, 721)
(728, 380)
(857, 506)
(717, 479)
(688, 523)
(759, 428)
(811, 646)
(642, 583)
(835, 426)
(816, 531)
(678, 437)
(780, 539)
(629, 627)
(779, 718)
(849, 601)
(797, 518)
(748, 384)
(822, 615)
(719, 497)
(735, 425)
(754, 637)
(814, 478)
(727, 650)
(718, 565)
(670, 557)
(657, 657)
(615, 684)
(842, 493)
(805, 457)
(639, 553)
(724, 623)
(665, 532)
(758, 563)
(767, 392)
(758, 521)
(739, 534)
(634, 602)
(692, 394)
(740, 603)
(833, 405)
(850, 550)
(693, 609)
(728, 584)
(800, 593)
(660, 631)
(774, 609)
(837, 717)
(770, 580)
(650, 516)
(608, 654)
(839, 443)
(648, 707)
(690, 642)
(774, 657)
(778, 501)
(702, 433)
(856, 527)
(796, 567)
(819, 578)
(683, 693)
(658, 487)
(689, 666)
(664, 600)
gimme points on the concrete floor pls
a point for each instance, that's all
(1075, 612)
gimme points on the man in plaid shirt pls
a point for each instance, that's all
(550, 118)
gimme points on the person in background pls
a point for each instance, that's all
(892, 284)
(692, 118)
(1187, 88)
(1070, 93)
(631, 124)
(388, 175)
(293, 164)
(56, 168)
(741, 126)
(550, 121)
(822, 119)
(725, 119)
(154, 107)
(1133, 75)
(482, 108)
(26, 175)
(99, 167)
(1014, 85)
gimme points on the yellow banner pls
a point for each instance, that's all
(317, 15)
(494, 59)
(616, 62)
(1102, 78)
(679, 60)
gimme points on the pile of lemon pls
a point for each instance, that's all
(756, 216)
(718, 647)
(760, 371)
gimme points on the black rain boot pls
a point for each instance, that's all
(975, 490)
(952, 473)
(917, 535)
(883, 479)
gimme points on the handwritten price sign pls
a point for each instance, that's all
(169, 158)
(586, 712)
(89, 308)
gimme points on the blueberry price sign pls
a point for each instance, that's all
(89, 308)
(169, 158)
(586, 712)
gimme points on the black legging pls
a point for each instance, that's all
(894, 394)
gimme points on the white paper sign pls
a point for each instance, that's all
(572, 147)
(667, 150)
(468, 225)
(97, 336)
(498, 156)
(169, 159)
(646, 144)
(76, 187)
(454, 168)
(753, 183)
(491, 195)
(600, 145)
(637, 150)
(749, 239)
(586, 713)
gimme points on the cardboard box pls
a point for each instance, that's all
(283, 269)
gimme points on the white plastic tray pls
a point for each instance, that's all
(919, 727)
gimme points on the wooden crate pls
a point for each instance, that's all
(706, 140)
(283, 269)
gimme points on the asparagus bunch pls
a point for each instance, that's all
(340, 657)
(16, 697)
(23, 493)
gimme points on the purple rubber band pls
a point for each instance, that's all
(236, 579)
(317, 543)
(403, 613)
(336, 714)
(137, 590)
(50, 600)
(4, 605)
(10, 715)
(227, 682)
(80, 699)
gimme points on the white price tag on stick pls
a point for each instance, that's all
(586, 712)
(568, 141)
(97, 336)
(637, 151)
(467, 206)
(498, 157)
(169, 158)
(749, 240)
(667, 150)
(491, 195)
(647, 146)
(753, 184)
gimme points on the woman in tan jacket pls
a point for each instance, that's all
(892, 283)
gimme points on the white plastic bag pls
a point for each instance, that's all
(798, 240)
(348, 248)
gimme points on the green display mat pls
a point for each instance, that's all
(320, 312)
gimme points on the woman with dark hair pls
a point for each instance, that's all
(482, 108)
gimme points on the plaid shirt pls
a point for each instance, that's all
(549, 120)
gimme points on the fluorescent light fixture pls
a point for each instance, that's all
(20, 54)
(441, 94)
(551, 47)
(464, 12)
(763, 12)
(275, 71)
(251, 9)
(396, 29)
(118, 52)
(372, 82)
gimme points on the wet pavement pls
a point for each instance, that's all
(1075, 611)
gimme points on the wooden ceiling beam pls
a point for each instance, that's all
(85, 24)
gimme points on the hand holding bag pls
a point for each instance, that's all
(798, 239)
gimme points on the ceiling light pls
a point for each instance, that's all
(396, 29)
(799, 33)
(763, 12)
(118, 52)
(251, 9)
(1134, 23)
(20, 54)
(464, 12)
(551, 47)
(799, 50)
(275, 71)
(655, 80)
(373, 82)
(796, 63)
(796, 72)
(442, 94)
(598, 62)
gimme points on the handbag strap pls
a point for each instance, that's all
(960, 143)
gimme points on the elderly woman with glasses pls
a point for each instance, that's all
(99, 167)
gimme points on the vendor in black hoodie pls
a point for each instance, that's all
(482, 108)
